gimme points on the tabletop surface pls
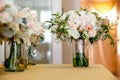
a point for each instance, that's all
(59, 72)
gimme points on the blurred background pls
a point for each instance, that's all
(52, 52)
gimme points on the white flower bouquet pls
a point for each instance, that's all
(81, 27)
(80, 24)
(20, 25)
(30, 31)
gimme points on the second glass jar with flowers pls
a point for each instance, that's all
(18, 26)
(80, 26)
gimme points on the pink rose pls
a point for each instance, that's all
(88, 27)
(31, 24)
(2, 5)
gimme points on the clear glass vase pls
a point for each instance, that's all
(79, 57)
(15, 62)
(32, 53)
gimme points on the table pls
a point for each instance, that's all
(59, 72)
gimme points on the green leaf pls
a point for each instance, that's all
(97, 37)
(78, 13)
(110, 37)
(105, 28)
(84, 35)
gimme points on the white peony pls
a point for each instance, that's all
(12, 10)
(74, 33)
(72, 15)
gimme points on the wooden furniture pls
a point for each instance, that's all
(59, 72)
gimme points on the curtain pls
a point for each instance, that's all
(103, 53)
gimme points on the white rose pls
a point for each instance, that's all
(74, 33)
(30, 32)
(72, 15)
(13, 10)
(91, 18)
(5, 17)
(38, 29)
(82, 13)
(78, 21)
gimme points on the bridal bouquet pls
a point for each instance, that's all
(80, 24)
(19, 25)
(30, 31)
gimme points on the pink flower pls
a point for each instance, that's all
(31, 25)
(88, 27)
(2, 5)
(21, 15)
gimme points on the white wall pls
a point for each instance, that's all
(56, 46)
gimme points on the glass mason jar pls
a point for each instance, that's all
(15, 62)
(79, 57)
(32, 53)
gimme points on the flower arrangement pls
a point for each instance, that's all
(19, 25)
(80, 24)
(31, 31)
